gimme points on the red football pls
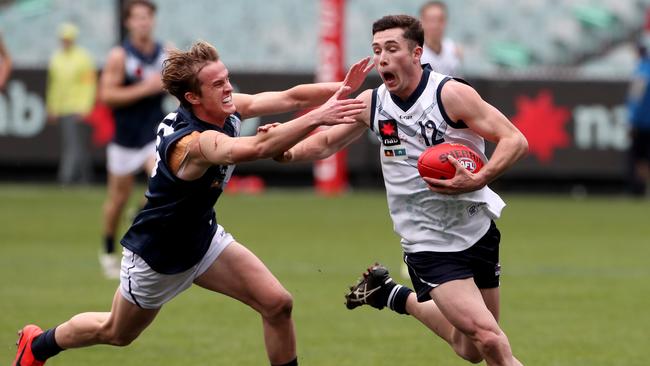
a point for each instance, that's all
(433, 162)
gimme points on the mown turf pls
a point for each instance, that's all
(575, 283)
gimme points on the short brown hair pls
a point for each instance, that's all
(181, 69)
(412, 28)
(129, 4)
(429, 4)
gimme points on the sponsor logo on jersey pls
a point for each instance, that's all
(405, 117)
(388, 132)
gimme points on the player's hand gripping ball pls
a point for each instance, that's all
(433, 162)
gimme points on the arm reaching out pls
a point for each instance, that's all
(301, 96)
(325, 143)
(215, 148)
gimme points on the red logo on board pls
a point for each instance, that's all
(543, 124)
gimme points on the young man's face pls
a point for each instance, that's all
(216, 91)
(395, 61)
(434, 21)
(140, 21)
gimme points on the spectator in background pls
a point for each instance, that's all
(443, 54)
(5, 64)
(639, 117)
(71, 87)
(131, 85)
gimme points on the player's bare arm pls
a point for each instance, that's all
(462, 102)
(325, 143)
(113, 93)
(300, 96)
(215, 148)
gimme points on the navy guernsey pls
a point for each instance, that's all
(174, 229)
(135, 124)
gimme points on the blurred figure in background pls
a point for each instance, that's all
(443, 54)
(71, 87)
(131, 85)
(639, 117)
(5, 64)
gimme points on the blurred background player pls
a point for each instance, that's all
(5, 64)
(639, 118)
(130, 84)
(71, 88)
(443, 54)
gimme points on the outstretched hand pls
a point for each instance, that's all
(463, 181)
(356, 75)
(338, 110)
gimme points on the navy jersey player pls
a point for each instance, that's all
(448, 236)
(176, 240)
(130, 84)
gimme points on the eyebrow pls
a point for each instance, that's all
(389, 42)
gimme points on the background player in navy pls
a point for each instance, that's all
(130, 84)
(175, 240)
(450, 242)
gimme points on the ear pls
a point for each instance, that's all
(191, 97)
(417, 53)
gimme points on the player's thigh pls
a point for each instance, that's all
(238, 273)
(127, 320)
(461, 302)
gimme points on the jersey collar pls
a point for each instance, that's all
(405, 105)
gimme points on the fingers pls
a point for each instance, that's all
(369, 67)
(266, 127)
(454, 162)
(342, 92)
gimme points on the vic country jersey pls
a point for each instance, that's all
(135, 124)
(424, 220)
(174, 229)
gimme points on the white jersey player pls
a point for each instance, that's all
(427, 221)
(450, 241)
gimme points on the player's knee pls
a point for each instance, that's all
(118, 339)
(472, 356)
(122, 340)
(279, 306)
(491, 341)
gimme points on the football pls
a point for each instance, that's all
(433, 162)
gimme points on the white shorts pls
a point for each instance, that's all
(122, 160)
(148, 289)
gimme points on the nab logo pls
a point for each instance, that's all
(22, 113)
(468, 164)
(388, 132)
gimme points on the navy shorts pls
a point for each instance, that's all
(480, 261)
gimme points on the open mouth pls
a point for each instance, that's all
(227, 100)
(388, 77)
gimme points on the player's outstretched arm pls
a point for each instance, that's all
(215, 148)
(325, 143)
(113, 93)
(462, 102)
(301, 96)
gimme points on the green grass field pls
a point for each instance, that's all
(575, 283)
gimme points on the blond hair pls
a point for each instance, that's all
(181, 69)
